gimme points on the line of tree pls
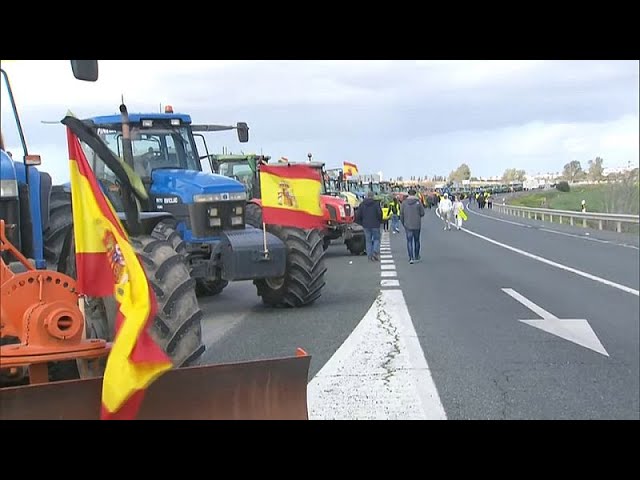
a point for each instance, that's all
(573, 171)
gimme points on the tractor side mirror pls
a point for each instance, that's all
(243, 132)
(86, 70)
(32, 160)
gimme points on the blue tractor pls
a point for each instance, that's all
(208, 221)
(36, 220)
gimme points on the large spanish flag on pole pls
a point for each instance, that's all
(107, 265)
(349, 169)
(291, 195)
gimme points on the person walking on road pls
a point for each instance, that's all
(411, 213)
(394, 207)
(458, 211)
(370, 217)
(445, 209)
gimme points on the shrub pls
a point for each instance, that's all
(563, 186)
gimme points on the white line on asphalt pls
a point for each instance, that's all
(379, 372)
(389, 274)
(386, 260)
(590, 239)
(557, 265)
(389, 283)
(500, 219)
(386, 257)
(529, 304)
(387, 267)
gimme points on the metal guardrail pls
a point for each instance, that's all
(616, 218)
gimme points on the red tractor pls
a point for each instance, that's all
(339, 215)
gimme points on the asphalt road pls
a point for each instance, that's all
(487, 364)
(444, 337)
(238, 327)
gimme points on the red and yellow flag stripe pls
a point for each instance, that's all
(349, 169)
(108, 265)
(291, 195)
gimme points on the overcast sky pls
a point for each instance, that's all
(399, 117)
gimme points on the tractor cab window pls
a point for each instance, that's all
(239, 171)
(155, 148)
(105, 176)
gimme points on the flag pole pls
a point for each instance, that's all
(264, 236)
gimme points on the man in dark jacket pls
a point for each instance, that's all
(411, 213)
(370, 217)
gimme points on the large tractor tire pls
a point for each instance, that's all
(357, 245)
(303, 280)
(60, 222)
(177, 325)
(204, 287)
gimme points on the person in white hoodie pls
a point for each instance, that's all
(458, 207)
(445, 209)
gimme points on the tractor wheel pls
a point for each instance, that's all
(357, 245)
(326, 243)
(60, 222)
(165, 230)
(176, 327)
(303, 280)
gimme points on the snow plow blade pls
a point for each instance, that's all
(273, 389)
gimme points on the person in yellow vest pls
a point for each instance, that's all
(394, 208)
(386, 216)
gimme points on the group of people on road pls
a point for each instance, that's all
(373, 216)
(451, 212)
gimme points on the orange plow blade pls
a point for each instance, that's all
(274, 389)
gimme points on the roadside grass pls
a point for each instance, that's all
(605, 198)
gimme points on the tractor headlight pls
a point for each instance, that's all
(342, 212)
(236, 221)
(8, 188)
(215, 222)
(238, 196)
(238, 210)
(219, 197)
(213, 212)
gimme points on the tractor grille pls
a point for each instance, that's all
(201, 213)
(333, 214)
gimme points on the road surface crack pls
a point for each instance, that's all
(503, 391)
(385, 322)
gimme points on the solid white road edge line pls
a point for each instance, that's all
(604, 281)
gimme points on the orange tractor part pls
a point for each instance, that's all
(41, 311)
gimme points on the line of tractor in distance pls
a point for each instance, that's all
(339, 216)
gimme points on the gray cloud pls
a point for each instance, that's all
(401, 117)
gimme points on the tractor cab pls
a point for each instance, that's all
(165, 156)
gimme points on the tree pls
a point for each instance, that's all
(595, 169)
(463, 172)
(513, 175)
(572, 170)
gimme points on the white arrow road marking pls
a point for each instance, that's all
(575, 330)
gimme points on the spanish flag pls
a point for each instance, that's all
(107, 265)
(349, 169)
(291, 195)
